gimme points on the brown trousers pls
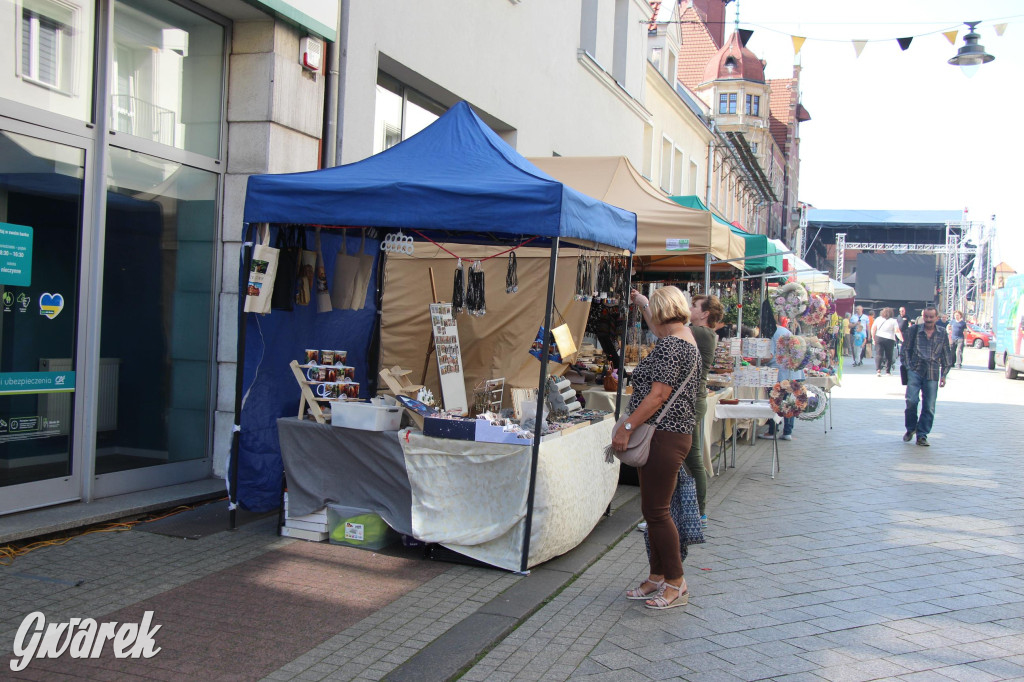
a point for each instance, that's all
(657, 484)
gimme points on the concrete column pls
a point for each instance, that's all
(275, 118)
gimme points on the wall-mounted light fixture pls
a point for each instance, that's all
(971, 55)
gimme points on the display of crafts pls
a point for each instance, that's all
(816, 355)
(788, 398)
(790, 299)
(791, 352)
(817, 402)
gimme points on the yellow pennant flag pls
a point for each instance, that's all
(858, 46)
(798, 42)
(1000, 28)
(951, 36)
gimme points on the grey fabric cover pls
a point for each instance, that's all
(363, 469)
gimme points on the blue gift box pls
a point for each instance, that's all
(458, 429)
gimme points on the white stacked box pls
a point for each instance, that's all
(312, 527)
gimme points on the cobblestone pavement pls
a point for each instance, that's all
(866, 558)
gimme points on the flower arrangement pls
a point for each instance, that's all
(788, 398)
(817, 402)
(791, 352)
(817, 309)
(790, 299)
(816, 355)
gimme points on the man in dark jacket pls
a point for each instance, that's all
(927, 359)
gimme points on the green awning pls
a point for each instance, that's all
(756, 244)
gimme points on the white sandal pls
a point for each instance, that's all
(660, 603)
(638, 592)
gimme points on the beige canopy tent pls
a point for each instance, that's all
(669, 237)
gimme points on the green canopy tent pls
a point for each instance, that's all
(761, 254)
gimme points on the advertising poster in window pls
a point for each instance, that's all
(449, 357)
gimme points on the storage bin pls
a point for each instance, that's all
(360, 528)
(365, 417)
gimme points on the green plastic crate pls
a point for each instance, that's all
(360, 528)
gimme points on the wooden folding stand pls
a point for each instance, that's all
(307, 399)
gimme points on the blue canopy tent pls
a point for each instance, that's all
(456, 180)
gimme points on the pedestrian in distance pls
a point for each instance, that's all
(927, 357)
(956, 338)
(674, 366)
(885, 331)
(904, 321)
(847, 343)
(858, 345)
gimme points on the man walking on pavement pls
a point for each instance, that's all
(927, 357)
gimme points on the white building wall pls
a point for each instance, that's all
(671, 118)
(519, 63)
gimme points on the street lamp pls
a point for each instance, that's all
(971, 55)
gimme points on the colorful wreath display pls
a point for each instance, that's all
(791, 351)
(817, 309)
(817, 402)
(816, 355)
(790, 299)
(788, 398)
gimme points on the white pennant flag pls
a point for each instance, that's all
(858, 46)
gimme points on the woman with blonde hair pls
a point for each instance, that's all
(673, 368)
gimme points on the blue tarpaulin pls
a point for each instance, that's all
(455, 175)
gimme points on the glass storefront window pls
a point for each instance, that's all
(46, 56)
(40, 204)
(167, 75)
(158, 299)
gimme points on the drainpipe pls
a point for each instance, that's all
(331, 94)
(711, 165)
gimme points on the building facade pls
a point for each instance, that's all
(126, 129)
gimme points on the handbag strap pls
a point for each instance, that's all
(675, 395)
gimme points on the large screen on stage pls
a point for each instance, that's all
(890, 276)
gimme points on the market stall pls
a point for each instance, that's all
(456, 182)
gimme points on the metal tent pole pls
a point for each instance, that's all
(625, 335)
(707, 274)
(535, 452)
(243, 319)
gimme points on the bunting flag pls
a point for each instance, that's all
(951, 36)
(904, 43)
(858, 46)
(798, 42)
(1000, 28)
(745, 34)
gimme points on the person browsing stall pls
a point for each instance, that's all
(784, 374)
(928, 359)
(705, 313)
(674, 364)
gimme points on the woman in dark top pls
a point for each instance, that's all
(674, 362)
(705, 313)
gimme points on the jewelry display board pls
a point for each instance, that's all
(449, 357)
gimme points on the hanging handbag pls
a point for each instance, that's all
(288, 265)
(323, 295)
(344, 273)
(639, 446)
(307, 269)
(262, 270)
(361, 279)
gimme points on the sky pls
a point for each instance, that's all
(899, 129)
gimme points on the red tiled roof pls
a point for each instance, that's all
(780, 108)
(745, 64)
(653, 26)
(697, 49)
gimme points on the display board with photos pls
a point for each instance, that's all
(449, 357)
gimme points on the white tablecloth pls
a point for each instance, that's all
(827, 382)
(600, 399)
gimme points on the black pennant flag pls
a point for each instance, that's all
(904, 43)
(745, 34)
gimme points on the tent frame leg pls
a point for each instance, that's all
(535, 451)
(243, 321)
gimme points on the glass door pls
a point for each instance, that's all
(41, 207)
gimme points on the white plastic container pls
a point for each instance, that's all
(365, 417)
